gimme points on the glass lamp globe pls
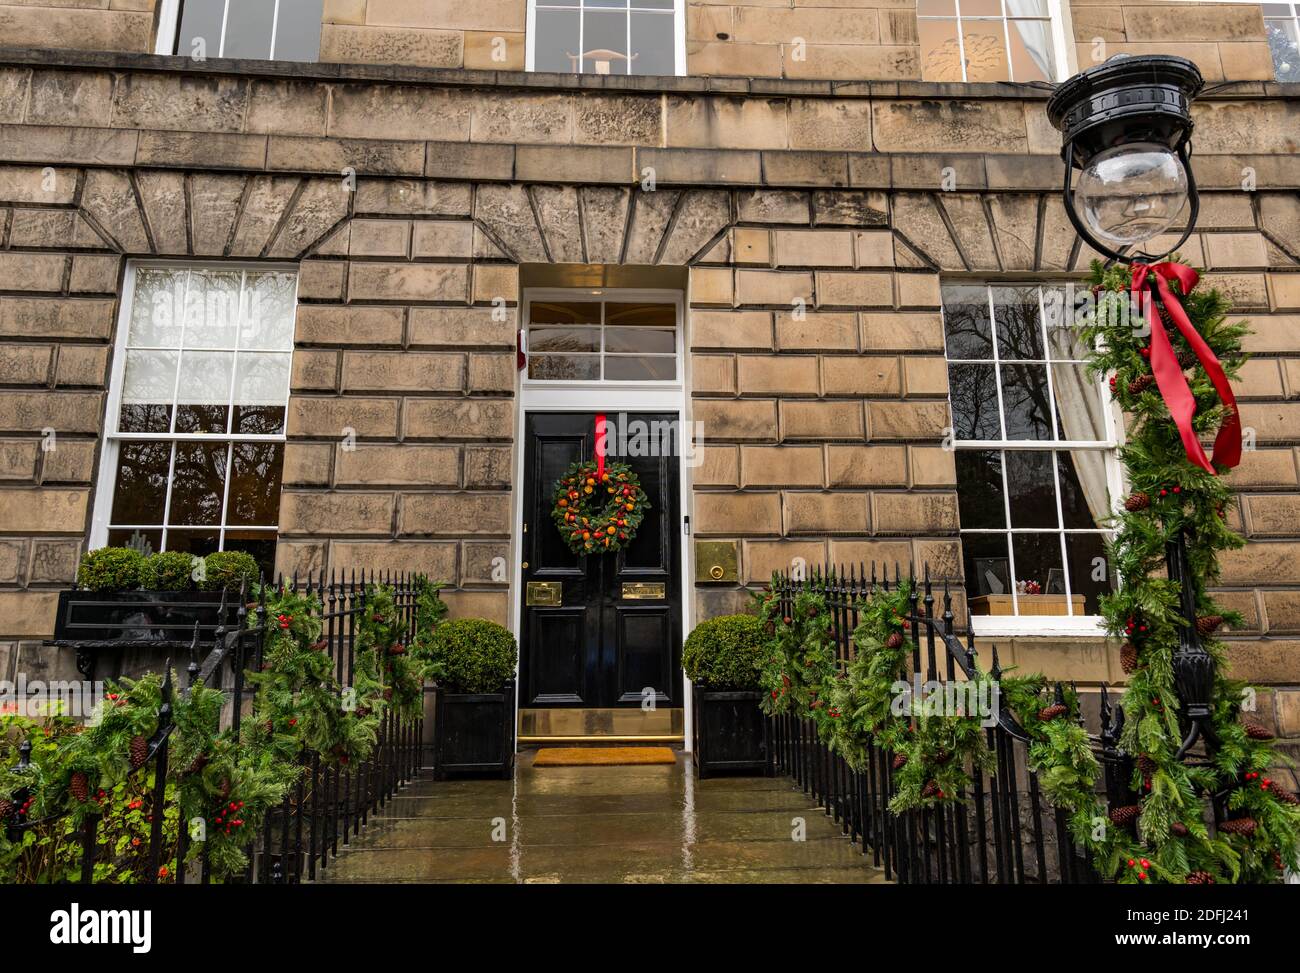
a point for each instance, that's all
(1131, 193)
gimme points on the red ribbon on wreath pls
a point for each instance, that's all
(600, 447)
(1169, 374)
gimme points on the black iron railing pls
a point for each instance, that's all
(1003, 831)
(330, 802)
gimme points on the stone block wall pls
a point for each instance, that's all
(816, 230)
(801, 39)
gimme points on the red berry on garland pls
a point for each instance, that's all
(788, 620)
(1145, 351)
(139, 751)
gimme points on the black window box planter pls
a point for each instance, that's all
(98, 622)
(731, 734)
(474, 734)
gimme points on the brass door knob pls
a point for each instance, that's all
(525, 565)
(716, 572)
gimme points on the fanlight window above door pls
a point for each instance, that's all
(594, 340)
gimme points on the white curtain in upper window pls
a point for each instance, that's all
(1034, 33)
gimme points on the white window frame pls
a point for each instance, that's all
(1064, 61)
(169, 25)
(580, 395)
(1295, 23)
(679, 33)
(106, 479)
(1041, 625)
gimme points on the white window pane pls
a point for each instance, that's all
(262, 378)
(297, 30)
(1031, 50)
(563, 339)
(654, 44)
(984, 44)
(584, 368)
(268, 318)
(1080, 411)
(604, 42)
(626, 369)
(200, 31)
(212, 309)
(156, 309)
(248, 28)
(205, 377)
(149, 377)
(1023, 8)
(555, 46)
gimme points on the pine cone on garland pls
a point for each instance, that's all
(139, 751)
(1146, 765)
(79, 786)
(1141, 384)
(1239, 826)
(1286, 797)
(931, 789)
(1278, 863)
(1187, 359)
(269, 726)
(1206, 624)
(1256, 730)
(1128, 657)
(198, 763)
(1200, 878)
(895, 640)
(1049, 713)
(223, 789)
(1125, 815)
(1178, 829)
(320, 646)
(6, 809)
(900, 761)
(1137, 501)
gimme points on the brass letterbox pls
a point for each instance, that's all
(645, 590)
(716, 561)
(547, 593)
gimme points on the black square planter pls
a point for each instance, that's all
(474, 734)
(732, 736)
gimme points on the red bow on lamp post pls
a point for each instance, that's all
(1169, 373)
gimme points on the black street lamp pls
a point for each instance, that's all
(1126, 125)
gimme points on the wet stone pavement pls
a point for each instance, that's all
(602, 824)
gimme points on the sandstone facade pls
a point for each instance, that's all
(815, 220)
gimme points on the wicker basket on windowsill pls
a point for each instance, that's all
(1029, 605)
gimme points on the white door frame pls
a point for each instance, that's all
(609, 398)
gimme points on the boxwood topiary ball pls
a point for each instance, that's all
(229, 569)
(168, 571)
(725, 653)
(475, 655)
(110, 569)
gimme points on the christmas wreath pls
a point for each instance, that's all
(598, 510)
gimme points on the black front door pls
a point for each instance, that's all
(616, 631)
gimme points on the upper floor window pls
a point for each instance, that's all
(1282, 27)
(197, 406)
(607, 36)
(278, 30)
(988, 40)
(1035, 455)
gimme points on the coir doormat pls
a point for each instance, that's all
(602, 756)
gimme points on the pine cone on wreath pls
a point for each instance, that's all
(1128, 657)
(1053, 712)
(1125, 815)
(1141, 384)
(1285, 796)
(1137, 501)
(1239, 826)
(1256, 730)
(79, 786)
(1200, 878)
(1206, 624)
(1146, 765)
(139, 751)
(1178, 829)
(900, 761)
